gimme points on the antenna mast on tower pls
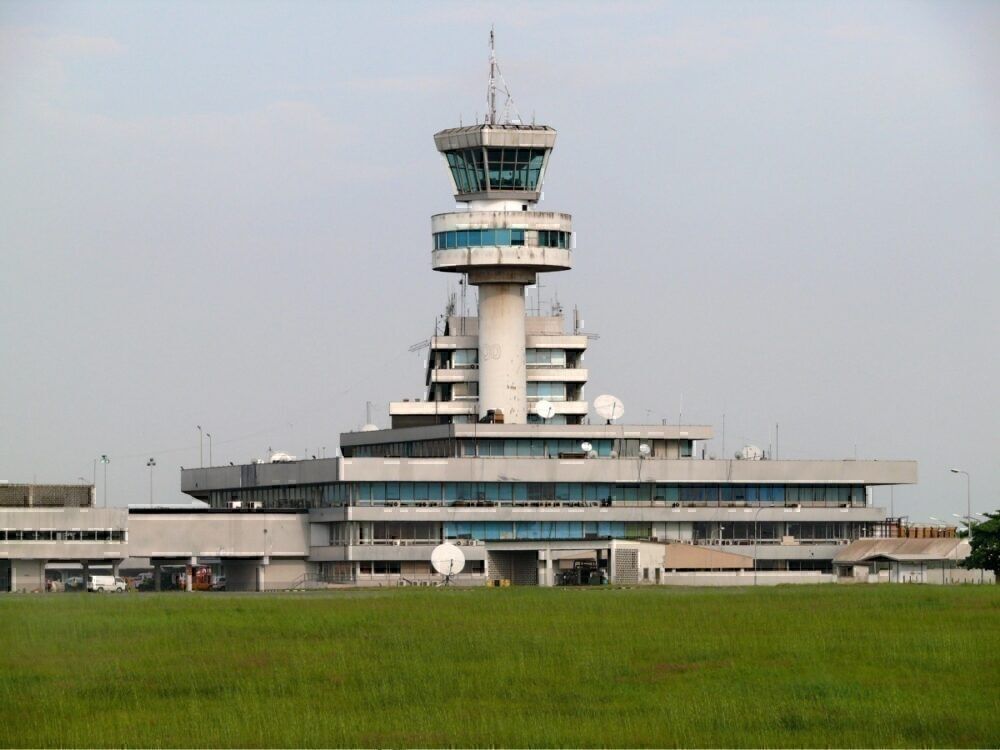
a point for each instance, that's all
(491, 91)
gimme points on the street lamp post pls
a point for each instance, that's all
(105, 460)
(201, 448)
(151, 463)
(968, 498)
(209, 436)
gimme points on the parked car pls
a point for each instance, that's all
(106, 583)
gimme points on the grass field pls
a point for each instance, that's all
(791, 666)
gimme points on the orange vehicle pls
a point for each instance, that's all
(202, 580)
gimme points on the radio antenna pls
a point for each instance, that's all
(491, 91)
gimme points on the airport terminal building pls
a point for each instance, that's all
(503, 457)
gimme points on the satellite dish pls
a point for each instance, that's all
(586, 447)
(370, 428)
(609, 407)
(644, 449)
(545, 409)
(448, 560)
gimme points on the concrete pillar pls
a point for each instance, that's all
(502, 374)
(188, 575)
(549, 575)
(115, 566)
(85, 572)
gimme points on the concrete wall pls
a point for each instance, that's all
(627, 470)
(199, 481)
(283, 574)
(27, 575)
(178, 535)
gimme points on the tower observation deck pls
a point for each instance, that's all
(500, 240)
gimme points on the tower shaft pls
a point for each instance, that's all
(502, 371)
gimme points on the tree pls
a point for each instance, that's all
(985, 545)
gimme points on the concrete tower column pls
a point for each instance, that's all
(502, 373)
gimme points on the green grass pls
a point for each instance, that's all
(913, 666)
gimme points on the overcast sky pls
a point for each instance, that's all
(218, 214)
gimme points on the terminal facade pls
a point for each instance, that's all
(502, 457)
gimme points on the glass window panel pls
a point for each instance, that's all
(494, 159)
(516, 236)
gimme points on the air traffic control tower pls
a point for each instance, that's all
(500, 240)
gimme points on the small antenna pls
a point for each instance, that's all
(491, 90)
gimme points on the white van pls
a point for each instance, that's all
(106, 583)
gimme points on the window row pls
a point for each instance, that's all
(548, 448)
(465, 358)
(478, 238)
(473, 169)
(545, 357)
(546, 390)
(554, 238)
(410, 568)
(819, 531)
(499, 530)
(54, 535)
(449, 493)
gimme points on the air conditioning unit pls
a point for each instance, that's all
(256, 504)
(235, 504)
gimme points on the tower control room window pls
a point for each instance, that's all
(514, 168)
(467, 169)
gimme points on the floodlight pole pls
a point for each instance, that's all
(151, 463)
(105, 460)
(968, 499)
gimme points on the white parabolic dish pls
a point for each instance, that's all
(545, 409)
(609, 407)
(447, 559)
